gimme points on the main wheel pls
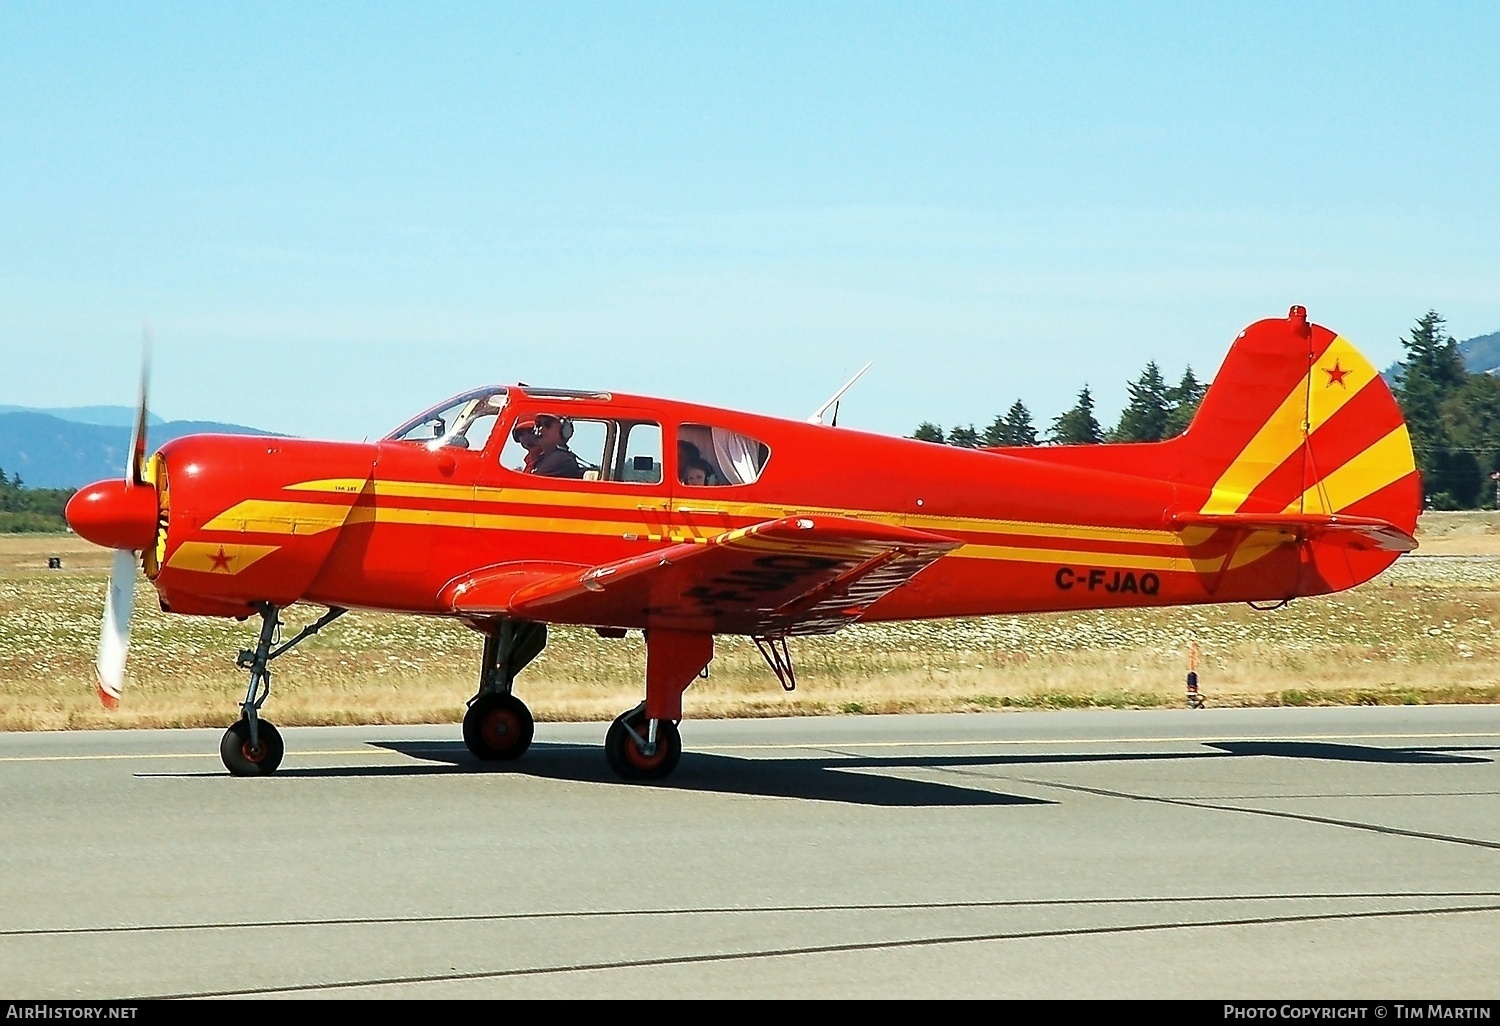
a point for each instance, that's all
(625, 755)
(498, 727)
(242, 758)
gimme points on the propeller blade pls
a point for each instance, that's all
(135, 468)
(114, 635)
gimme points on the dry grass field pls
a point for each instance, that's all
(1423, 632)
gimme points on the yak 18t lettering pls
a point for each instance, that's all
(514, 508)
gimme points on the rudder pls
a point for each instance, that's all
(1299, 422)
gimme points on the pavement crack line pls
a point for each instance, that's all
(1350, 824)
(819, 949)
(740, 910)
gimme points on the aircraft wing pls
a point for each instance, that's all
(795, 575)
(488, 591)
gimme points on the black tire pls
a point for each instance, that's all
(244, 761)
(498, 727)
(625, 756)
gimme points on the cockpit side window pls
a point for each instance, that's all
(584, 448)
(709, 456)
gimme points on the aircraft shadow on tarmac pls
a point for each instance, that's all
(820, 778)
(1352, 753)
(858, 780)
(855, 779)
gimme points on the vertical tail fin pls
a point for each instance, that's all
(1298, 422)
(1299, 461)
(1296, 476)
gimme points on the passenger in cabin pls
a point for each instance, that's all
(546, 440)
(697, 473)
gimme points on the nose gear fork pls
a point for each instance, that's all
(253, 746)
(256, 661)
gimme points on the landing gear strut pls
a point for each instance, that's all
(640, 748)
(253, 746)
(498, 725)
(643, 743)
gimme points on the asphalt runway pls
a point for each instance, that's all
(1277, 853)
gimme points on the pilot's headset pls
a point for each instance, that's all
(564, 424)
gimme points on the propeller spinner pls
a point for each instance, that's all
(119, 515)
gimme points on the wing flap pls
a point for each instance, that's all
(795, 575)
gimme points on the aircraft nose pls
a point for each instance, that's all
(114, 514)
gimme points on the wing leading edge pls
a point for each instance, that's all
(793, 576)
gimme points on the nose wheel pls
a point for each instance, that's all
(638, 748)
(246, 758)
(498, 727)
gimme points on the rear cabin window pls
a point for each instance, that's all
(585, 449)
(709, 456)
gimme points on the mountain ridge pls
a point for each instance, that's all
(50, 451)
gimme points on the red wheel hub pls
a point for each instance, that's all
(638, 758)
(500, 728)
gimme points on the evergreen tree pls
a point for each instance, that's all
(1078, 426)
(1145, 417)
(998, 433)
(964, 437)
(1184, 401)
(30, 509)
(1013, 427)
(1432, 374)
(1471, 421)
(928, 432)
(1018, 425)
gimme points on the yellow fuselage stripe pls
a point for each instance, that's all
(267, 523)
(276, 516)
(698, 505)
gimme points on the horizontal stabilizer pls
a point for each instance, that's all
(1356, 532)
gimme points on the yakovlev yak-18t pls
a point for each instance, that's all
(512, 508)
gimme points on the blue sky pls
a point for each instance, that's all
(336, 214)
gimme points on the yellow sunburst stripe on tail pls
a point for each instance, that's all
(1317, 397)
(1383, 463)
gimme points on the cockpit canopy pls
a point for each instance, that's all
(602, 445)
(463, 422)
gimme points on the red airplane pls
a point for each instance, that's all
(512, 508)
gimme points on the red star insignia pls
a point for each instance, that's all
(220, 561)
(1335, 376)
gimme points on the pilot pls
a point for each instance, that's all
(546, 440)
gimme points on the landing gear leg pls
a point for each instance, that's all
(498, 725)
(253, 746)
(644, 743)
